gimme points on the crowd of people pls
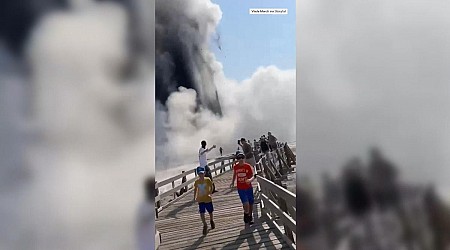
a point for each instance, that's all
(243, 175)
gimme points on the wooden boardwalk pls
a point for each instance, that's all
(180, 225)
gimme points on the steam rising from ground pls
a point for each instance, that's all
(264, 102)
(183, 31)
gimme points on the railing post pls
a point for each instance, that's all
(265, 170)
(283, 207)
(263, 208)
(277, 181)
(158, 203)
(183, 180)
(279, 161)
(175, 192)
(222, 169)
(214, 167)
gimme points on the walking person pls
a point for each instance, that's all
(203, 188)
(248, 152)
(255, 144)
(221, 151)
(243, 173)
(204, 162)
(272, 142)
(265, 148)
(239, 146)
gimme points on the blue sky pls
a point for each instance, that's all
(250, 41)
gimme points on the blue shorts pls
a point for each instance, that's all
(246, 196)
(203, 207)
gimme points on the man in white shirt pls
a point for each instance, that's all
(203, 161)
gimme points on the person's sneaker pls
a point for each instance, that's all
(213, 225)
(250, 219)
(245, 219)
(205, 229)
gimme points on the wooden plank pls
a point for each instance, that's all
(190, 212)
(287, 220)
(287, 195)
(221, 228)
(213, 233)
(222, 233)
(270, 243)
(222, 240)
(180, 226)
(252, 243)
(235, 221)
(271, 221)
(236, 218)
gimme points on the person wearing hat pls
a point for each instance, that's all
(243, 173)
(203, 188)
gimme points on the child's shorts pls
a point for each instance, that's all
(246, 196)
(203, 207)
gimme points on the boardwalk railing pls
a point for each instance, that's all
(278, 203)
(218, 166)
(276, 164)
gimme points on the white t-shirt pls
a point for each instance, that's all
(202, 157)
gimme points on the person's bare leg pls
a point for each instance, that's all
(246, 212)
(205, 227)
(246, 207)
(211, 220)
(251, 213)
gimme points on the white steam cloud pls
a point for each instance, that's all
(264, 102)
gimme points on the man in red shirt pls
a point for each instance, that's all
(243, 172)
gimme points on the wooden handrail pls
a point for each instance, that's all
(179, 176)
(171, 179)
(287, 219)
(287, 195)
(281, 202)
(174, 188)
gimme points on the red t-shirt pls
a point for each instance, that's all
(243, 172)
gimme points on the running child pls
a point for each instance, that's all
(203, 188)
(243, 172)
